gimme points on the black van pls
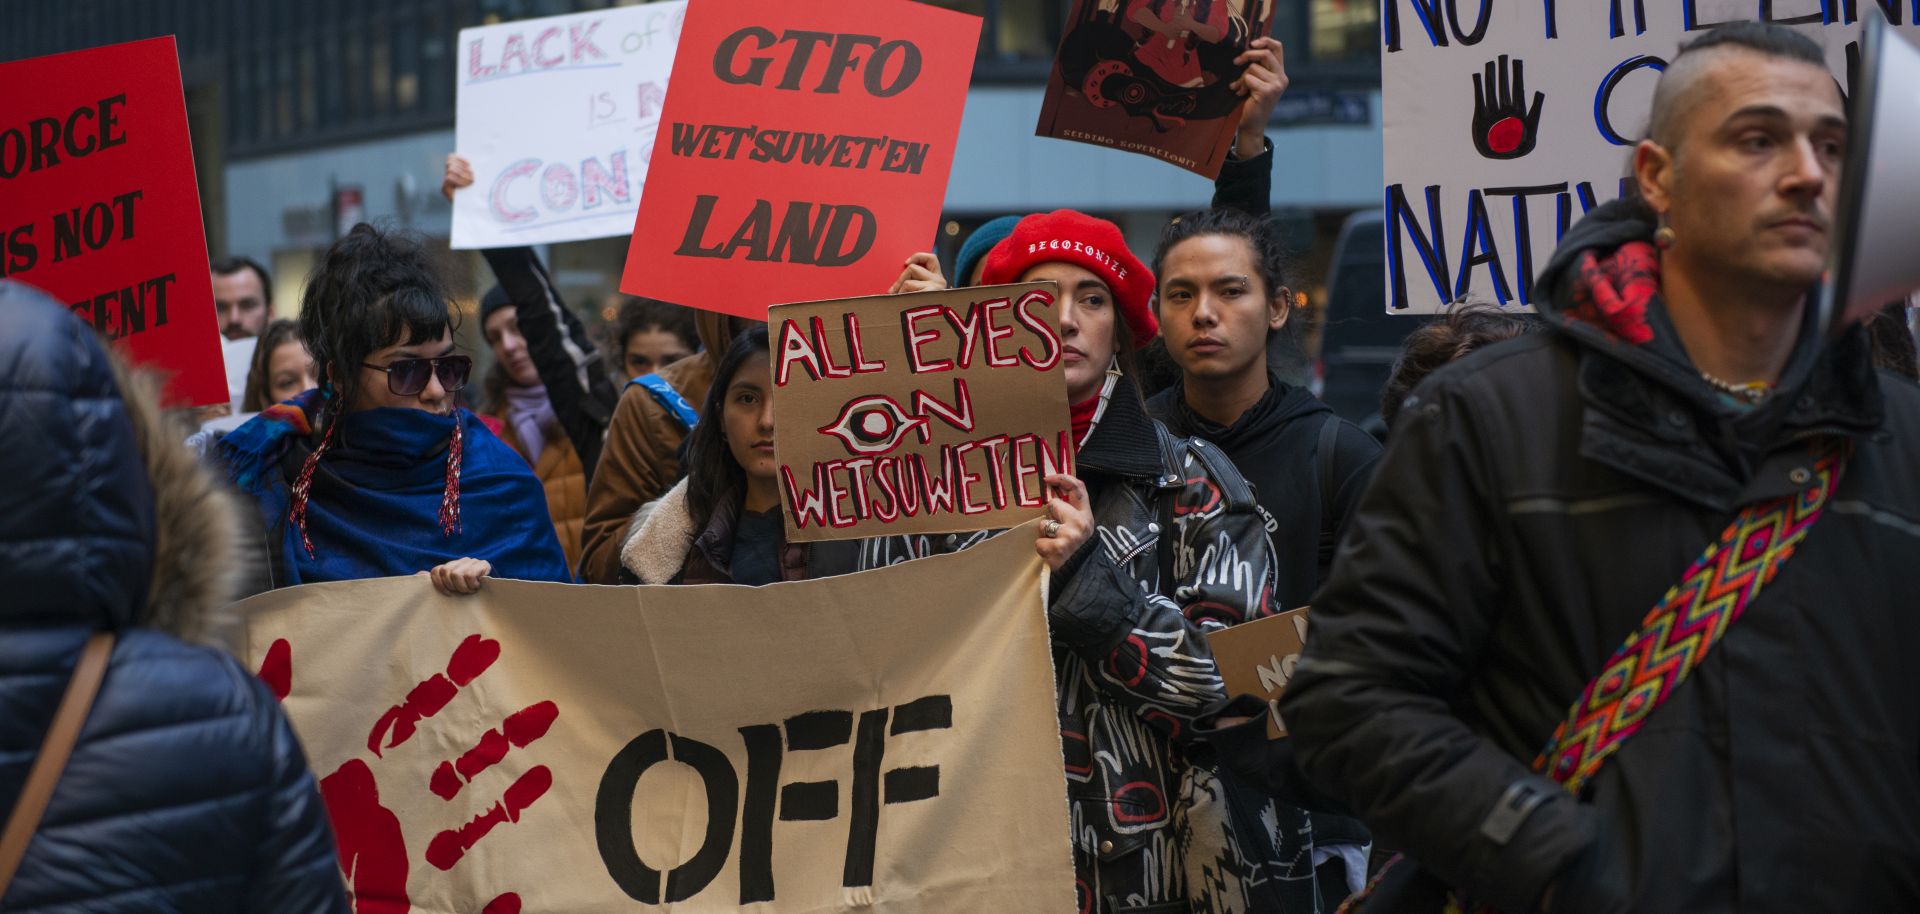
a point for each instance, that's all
(1360, 340)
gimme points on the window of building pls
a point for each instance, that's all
(1345, 30)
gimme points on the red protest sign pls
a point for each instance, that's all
(98, 205)
(803, 152)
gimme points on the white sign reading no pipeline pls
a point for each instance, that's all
(558, 117)
(1505, 122)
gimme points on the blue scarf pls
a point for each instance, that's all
(374, 507)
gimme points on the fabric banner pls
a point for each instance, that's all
(1153, 77)
(884, 741)
(98, 205)
(937, 412)
(558, 117)
(1505, 123)
(805, 152)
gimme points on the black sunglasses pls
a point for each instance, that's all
(408, 377)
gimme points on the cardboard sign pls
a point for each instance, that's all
(1153, 77)
(805, 151)
(98, 205)
(1505, 123)
(937, 412)
(795, 747)
(558, 117)
(1258, 657)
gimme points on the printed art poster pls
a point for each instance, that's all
(1153, 77)
(1505, 123)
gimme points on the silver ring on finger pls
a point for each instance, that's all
(1050, 528)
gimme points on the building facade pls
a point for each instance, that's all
(308, 116)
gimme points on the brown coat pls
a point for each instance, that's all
(565, 479)
(641, 460)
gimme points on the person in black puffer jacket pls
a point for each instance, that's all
(187, 790)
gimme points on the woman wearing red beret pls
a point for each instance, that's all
(1181, 548)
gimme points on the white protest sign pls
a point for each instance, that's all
(1506, 122)
(558, 117)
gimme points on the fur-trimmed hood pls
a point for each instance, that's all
(106, 519)
(199, 560)
(662, 532)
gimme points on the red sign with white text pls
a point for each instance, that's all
(98, 205)
(803, 151)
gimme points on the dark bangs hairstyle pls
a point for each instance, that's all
(374, 288)
(714, 478)
(640, 314)
(1270, 258)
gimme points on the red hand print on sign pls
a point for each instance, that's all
(372, 847)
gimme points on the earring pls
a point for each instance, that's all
(1664, 238)
(1113, 367)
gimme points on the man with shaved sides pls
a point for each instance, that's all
(1625, 621)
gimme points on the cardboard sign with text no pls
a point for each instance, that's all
(936, 412)
(98, 205)
(803, 153)
(1257, 658)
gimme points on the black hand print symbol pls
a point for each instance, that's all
(1503, 127)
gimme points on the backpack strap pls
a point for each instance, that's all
(669, 399)
(82, 686)
(1235, 491)
(1323, 469)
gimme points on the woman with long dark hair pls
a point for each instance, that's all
(722, 524)
(282, 368)
(377, 472)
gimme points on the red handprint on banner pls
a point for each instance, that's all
(371, 844)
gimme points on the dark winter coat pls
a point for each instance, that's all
(187, 790)
(1536, 500)
(664, 547)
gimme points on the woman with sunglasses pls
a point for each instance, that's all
(377, 473)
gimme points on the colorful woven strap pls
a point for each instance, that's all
(1678, 632)
(1672, 641)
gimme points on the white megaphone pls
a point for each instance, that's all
(1875, 254)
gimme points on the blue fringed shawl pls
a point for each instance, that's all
(375, 502)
